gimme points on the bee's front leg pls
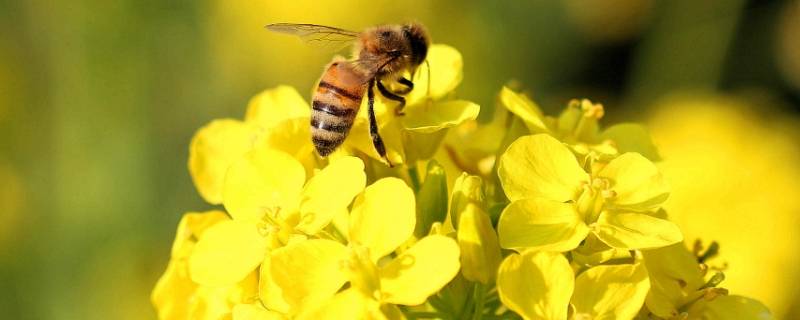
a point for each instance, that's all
(391, 96)
(409, 85)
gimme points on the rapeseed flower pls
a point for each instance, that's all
(556, 203)
(311, 273)
(301, 237)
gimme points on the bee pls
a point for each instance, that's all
(382, 55)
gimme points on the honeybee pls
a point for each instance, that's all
(382, 56)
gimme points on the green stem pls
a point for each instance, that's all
(413, 174)
(480, 299)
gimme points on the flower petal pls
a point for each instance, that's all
(171, 294)
(226, 253)
(420, 271)
(348, 304)
(191, 227)
(213, 149)
(264, 180)
(524, 108)
(536, 284)
(292, 136)
(675, 276)
(611, 292)
(636, 231)
(631, 137)
(329, 192)
(383, 217)
(729, 308)
(541, 224)
(638, 184)
(273, 106)
(540, 166)
(254, 312)
(430, 118)
(480, 252)
(309, 272)
(446, 71)
(269, 292)
(209, 303)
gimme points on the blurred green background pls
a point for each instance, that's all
(99, 99)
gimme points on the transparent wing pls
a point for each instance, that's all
(316, 35)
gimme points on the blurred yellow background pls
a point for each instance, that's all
(98, 101)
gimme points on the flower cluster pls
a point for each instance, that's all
(525, 216)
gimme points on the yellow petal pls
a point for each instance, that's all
(254, 312)
(212, 150)
(309, 272)
(638, 184)
(636, 231)
(524, 108)
(730, 308)
(536, 284)
(383, 217)
(631, 137)
(611, 292)
(263, 181)
(429, 118)
(348, 304)
(480, 252)
(273, 106)
(191, 227)
(446, 71)
(420, 271)
(292, 136)
(226, 253)
(674, 276)
(540, 166)
(269, 292)
(541, 224)
(330, 191)
(172, 292)
(211, 303)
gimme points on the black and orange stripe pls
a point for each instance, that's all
(335, 105)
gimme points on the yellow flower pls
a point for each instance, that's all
(556, 204)
(541, 285)
(578, 126)
(176, 296)
(679, 288)
(271, 204)
(311, 272)
(417, 134)
(277, 118)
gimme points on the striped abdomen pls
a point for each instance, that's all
(335, 106)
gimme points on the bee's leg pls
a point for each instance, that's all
(373, 123)
(391, 96)
(409, 85)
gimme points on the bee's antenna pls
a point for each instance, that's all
(428, 64)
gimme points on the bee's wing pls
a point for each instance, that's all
(316, 35)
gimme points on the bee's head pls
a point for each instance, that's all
(418, 42)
